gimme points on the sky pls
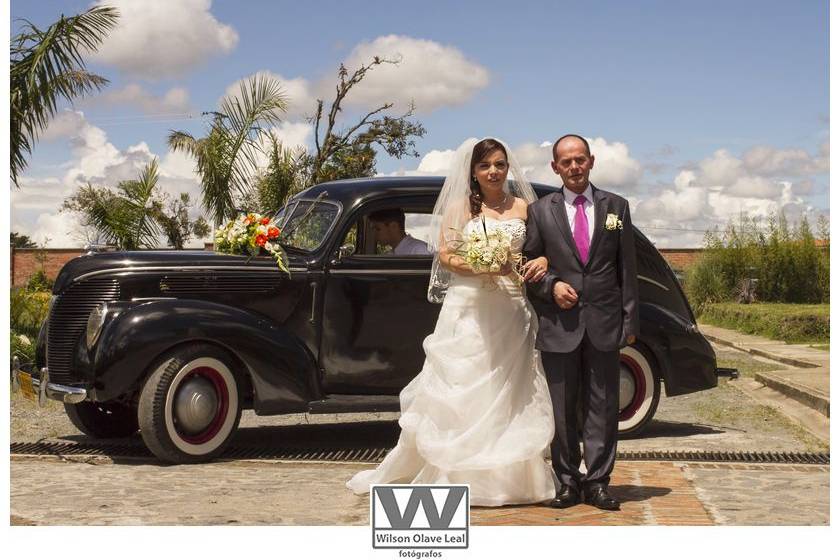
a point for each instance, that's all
(697, 112)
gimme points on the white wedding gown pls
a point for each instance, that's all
(479, 411)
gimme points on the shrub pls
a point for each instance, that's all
(39, 281)
(790, 323)
(786, 262)
(23, 347)
(27, 310)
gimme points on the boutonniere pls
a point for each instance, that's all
(613, 222)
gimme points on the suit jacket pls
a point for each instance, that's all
(607, 307)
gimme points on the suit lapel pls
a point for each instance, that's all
(558, 207)
(600, 201)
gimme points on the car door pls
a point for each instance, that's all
(376, 314)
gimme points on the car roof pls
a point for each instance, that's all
(352, 190)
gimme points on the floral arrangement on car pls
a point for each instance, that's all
(487, 251)
(248, 234)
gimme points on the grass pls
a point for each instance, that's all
(790, 322)
(746, 365)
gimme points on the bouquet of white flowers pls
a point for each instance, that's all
(486, 251)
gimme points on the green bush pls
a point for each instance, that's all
(39, 281)
(23, 347)
(27, 310)
(792, 323)
(785, 260)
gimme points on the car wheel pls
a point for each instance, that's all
(103, 420)
(190, 405)
(639, 390)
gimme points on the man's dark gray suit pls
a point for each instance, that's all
(580, 346)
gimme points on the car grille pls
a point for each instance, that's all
(68, 319)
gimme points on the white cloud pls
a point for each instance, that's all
(429, 73)
(765, 160)
(65, 124)
(294, 135)
(299, 98)
(164, 38)
(35, 206)
(176, 100)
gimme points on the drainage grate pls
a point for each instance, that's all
(376, 454)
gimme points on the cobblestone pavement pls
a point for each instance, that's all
(51, 491)
(264, 492)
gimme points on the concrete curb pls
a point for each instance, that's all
(763, 353)
(805, 395)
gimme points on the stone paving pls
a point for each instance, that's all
(54, 491)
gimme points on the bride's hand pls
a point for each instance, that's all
(534, 270)
(506, 269)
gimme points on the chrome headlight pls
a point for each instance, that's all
(94, 324)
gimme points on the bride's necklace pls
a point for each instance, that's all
(497, 206)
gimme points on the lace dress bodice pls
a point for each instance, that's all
(515, 227)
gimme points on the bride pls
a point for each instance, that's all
(479, 411)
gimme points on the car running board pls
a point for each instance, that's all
(356, 403)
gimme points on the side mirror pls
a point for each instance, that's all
(345, 251)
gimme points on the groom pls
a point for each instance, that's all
(587, 305)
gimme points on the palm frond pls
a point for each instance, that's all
(46, 66)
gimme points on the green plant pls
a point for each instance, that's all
(28, 310)
(39, 282)
(227, 157)
(23, 347)
(47, 65)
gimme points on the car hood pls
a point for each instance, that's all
(129, 260)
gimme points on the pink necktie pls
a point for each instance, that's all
(581, 233)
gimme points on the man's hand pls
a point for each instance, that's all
(564, 295)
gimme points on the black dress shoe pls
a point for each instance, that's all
(567, 496)
(597, 495)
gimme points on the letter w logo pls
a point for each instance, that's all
(420, 495)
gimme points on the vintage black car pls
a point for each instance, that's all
(178, 343)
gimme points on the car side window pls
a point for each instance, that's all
(394, 232)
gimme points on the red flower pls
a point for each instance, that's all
(261, 239)
(265, 221)
(273, 232)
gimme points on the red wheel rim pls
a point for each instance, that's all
(641, 389)
(221, 409)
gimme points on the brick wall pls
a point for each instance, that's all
(681, 259)
(24, 262)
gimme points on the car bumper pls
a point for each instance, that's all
(37, 386)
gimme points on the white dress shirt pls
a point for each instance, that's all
(569, 197)
(411, 246)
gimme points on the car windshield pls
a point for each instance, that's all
(305, 223)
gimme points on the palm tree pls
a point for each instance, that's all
(227, 157)
(128, 217)
(47, 65)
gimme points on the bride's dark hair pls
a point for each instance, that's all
(479, 152)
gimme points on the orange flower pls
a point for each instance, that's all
(261, 239)
(265, 221)
(273, 232)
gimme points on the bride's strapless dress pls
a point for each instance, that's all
(479, 411)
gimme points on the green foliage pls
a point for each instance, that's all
(133, 215)
(284, 177)
(175, 223)
(47, 65)
(21, 241)
(227, 157)
(22, 346)
(27, 310)
(349, 152)
(791, 323)
(39, 282)
(785, 260)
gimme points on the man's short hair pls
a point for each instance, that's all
(581, 138)
(389, 215)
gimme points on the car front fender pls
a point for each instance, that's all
(280, 368)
